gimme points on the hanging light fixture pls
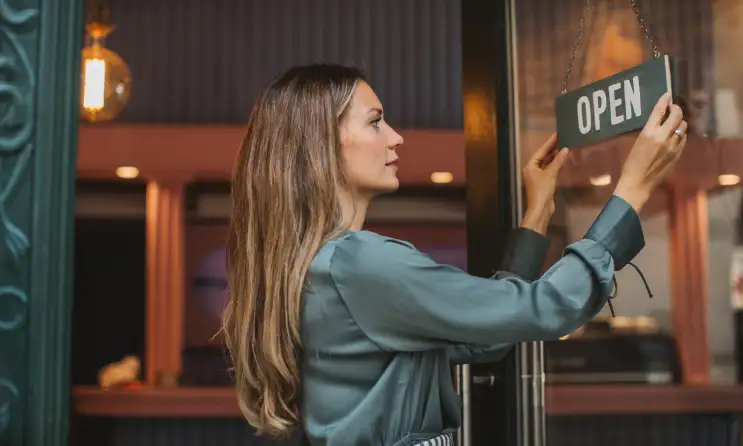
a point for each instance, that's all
(105, 78)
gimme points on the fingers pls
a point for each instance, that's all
(683, 126)
(680, 142)
(656, 117)
(544, 150)
(681, 145)
(673, 122)
(559, 161)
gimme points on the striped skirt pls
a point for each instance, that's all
(441, 440)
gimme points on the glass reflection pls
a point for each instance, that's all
(639, 346)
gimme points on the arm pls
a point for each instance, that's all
(525, 253)
(402, 299)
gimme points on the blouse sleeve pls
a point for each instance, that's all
(404, 301)
(524, 255)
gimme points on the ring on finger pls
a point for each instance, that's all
(679, 133)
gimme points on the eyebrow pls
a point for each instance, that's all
(376, 110)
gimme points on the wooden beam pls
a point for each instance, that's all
(207, 152)
(689, 281)
(151, 149)
(165, 282)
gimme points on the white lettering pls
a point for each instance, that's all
(599, 107)
(632, 99)
(621, 105)
(614, 103)
(584, 115)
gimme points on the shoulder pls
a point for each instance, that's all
(370, 242)
(365, 253)
(366, 246)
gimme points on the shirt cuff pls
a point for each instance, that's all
(619, 231)
(525, 253)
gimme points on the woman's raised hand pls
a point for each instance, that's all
(540, 181)
(654, 154)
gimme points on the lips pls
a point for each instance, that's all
(391, 163)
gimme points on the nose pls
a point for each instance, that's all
(395, 139)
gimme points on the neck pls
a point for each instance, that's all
(353, 207)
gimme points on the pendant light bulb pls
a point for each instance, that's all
(105, 79)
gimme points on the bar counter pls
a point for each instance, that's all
(560, 400)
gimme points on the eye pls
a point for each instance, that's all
(375, 123)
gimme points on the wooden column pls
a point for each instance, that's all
(165, 282)
(689, 281)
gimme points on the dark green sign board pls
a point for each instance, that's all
(615, 105)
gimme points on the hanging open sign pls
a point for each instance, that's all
(613, 106)
(617, 104)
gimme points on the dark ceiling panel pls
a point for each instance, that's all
(199, 61)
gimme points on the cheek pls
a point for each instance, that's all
(375, 155)
(367, 155)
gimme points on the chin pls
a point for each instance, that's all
(386, 187)
(390, 186)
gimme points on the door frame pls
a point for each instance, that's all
(502, 403)
(38, 147)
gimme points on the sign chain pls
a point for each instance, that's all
(641, 20)
(579, 36)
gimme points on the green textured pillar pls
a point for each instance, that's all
(40, 43)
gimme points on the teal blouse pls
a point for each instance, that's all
(382, 323)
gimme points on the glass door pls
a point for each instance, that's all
(606, 356)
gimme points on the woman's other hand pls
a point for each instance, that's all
(540, 181)
(653, 155)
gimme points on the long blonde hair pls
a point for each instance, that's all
(284, 208)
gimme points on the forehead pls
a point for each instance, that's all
(364, 98)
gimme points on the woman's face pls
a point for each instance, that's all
(368, 144)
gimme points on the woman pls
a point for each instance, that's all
(352, 334)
